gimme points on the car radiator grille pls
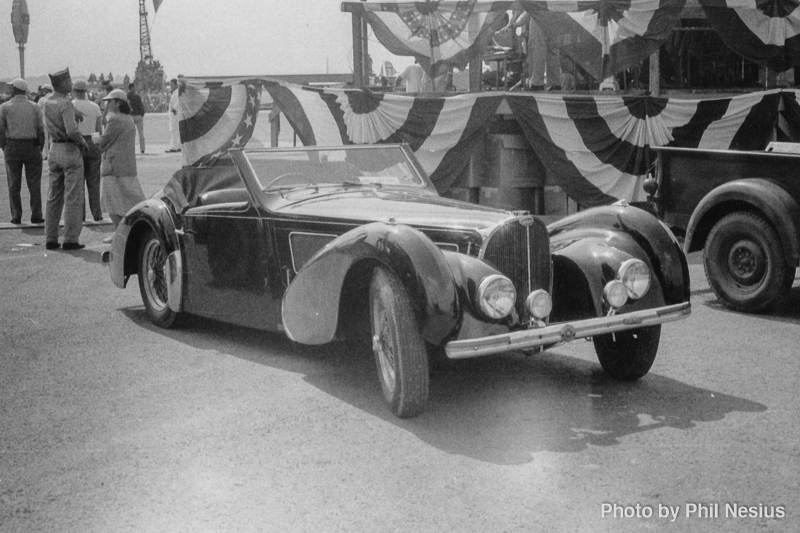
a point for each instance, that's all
(520, 250)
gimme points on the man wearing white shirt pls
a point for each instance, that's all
(90, 123)
(417, 80)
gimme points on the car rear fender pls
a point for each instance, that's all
(152, 215)
(311, 304)
(765, 197)
(595, 242)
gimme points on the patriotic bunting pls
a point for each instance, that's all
(597, 148)
(218, 116)
(765, 31)
(606, 36)
(440, 34)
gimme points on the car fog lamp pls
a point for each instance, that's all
(539, 304)
(635, 275)
(615, 293)
(496, 296)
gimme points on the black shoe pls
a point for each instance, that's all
(73, 246)
(37, 221)
(16, 221)
(98, 219)
(52, 245)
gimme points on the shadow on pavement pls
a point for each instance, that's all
(789, 313)
(501, 410)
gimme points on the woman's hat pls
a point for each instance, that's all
(117, 94)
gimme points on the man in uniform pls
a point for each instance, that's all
(89, 124)
(21, 139)
(65, 164)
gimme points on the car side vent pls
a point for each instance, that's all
(450, 247)
(303, 246)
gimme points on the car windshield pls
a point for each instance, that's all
(352, 166)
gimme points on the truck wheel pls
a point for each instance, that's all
(744, 263)
(153, 282)
(628, 355)
(400, 351)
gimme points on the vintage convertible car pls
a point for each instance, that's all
(327, 243)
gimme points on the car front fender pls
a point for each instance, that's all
(589, 247)
(311, 304)
(151, 215)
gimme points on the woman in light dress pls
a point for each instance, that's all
(120, 189)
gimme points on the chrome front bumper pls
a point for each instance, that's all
(564, 332)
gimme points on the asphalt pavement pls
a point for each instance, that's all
(110, 424)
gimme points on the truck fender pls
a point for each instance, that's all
(598, 240)
(311, 304)
(153, 215)
(771, 198)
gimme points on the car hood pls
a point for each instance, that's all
(411, 208)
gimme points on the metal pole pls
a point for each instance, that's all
(655, 76)
(21, 61)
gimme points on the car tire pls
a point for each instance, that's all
(744, 263)
(628, 355)
(401, 355)
(152, 261)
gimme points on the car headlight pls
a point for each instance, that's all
(539, 304)
(496, 296)
(615, 293)
(635, 275)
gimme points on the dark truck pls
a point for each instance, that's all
(742, 208)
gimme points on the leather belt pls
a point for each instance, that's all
(63, 141)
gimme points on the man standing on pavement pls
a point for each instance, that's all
(89, 124)
(174, 119)
(137, 113)
(21, 139)
(65, 165)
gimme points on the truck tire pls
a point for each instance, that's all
(744, 263)
(628, 355)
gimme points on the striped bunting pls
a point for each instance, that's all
(597, 148)
(218, 116)
(764, 31)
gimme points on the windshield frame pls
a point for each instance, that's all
(247, 169)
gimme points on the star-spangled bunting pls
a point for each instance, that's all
(597, 148)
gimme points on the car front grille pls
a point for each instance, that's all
(520, 250)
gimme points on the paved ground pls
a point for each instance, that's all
(108, 423)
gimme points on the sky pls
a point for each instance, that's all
(188, 37)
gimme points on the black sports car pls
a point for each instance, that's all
(323, 243)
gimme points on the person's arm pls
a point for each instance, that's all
(39, 126)
(71, 126)
(3, 129)
(113, 131)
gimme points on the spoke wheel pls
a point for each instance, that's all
(401, 354)
(628, 355)
(153, 282)
(744, 263)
